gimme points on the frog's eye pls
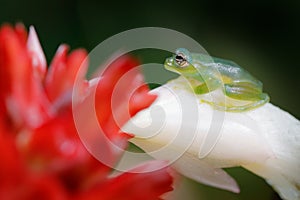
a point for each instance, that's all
(181, 60)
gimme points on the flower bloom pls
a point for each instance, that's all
(42, 156)
(266, 141)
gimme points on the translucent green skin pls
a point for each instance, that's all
(207, 74)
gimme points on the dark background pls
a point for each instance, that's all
(261, 36)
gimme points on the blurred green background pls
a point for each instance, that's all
(261, 36)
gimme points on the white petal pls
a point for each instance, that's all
(202, 172)
(266, 140)
(38, 56)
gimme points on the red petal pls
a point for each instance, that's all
(11, 168)
(20, 92)
(63, 71)
(118, 84)
(55, 147)
(56, 144)
(21, 32)
(95, 132)
(135, 186)
(120, 94)
(34, 187)
(44, 187)
(141, 99)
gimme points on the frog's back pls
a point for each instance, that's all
(229, 70)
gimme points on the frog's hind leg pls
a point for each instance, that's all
(245, 92)
(264, 98)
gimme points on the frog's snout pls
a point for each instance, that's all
(169, 65)
(169, 62)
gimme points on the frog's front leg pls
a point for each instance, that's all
(206, 87)
(201, 89)
(245, 92)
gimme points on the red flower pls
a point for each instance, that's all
(42, 156)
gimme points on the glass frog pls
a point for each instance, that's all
(206, 74)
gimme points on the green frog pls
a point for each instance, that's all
(206, 74)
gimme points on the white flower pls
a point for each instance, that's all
(200, 141)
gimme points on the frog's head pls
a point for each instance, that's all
(181, 62)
